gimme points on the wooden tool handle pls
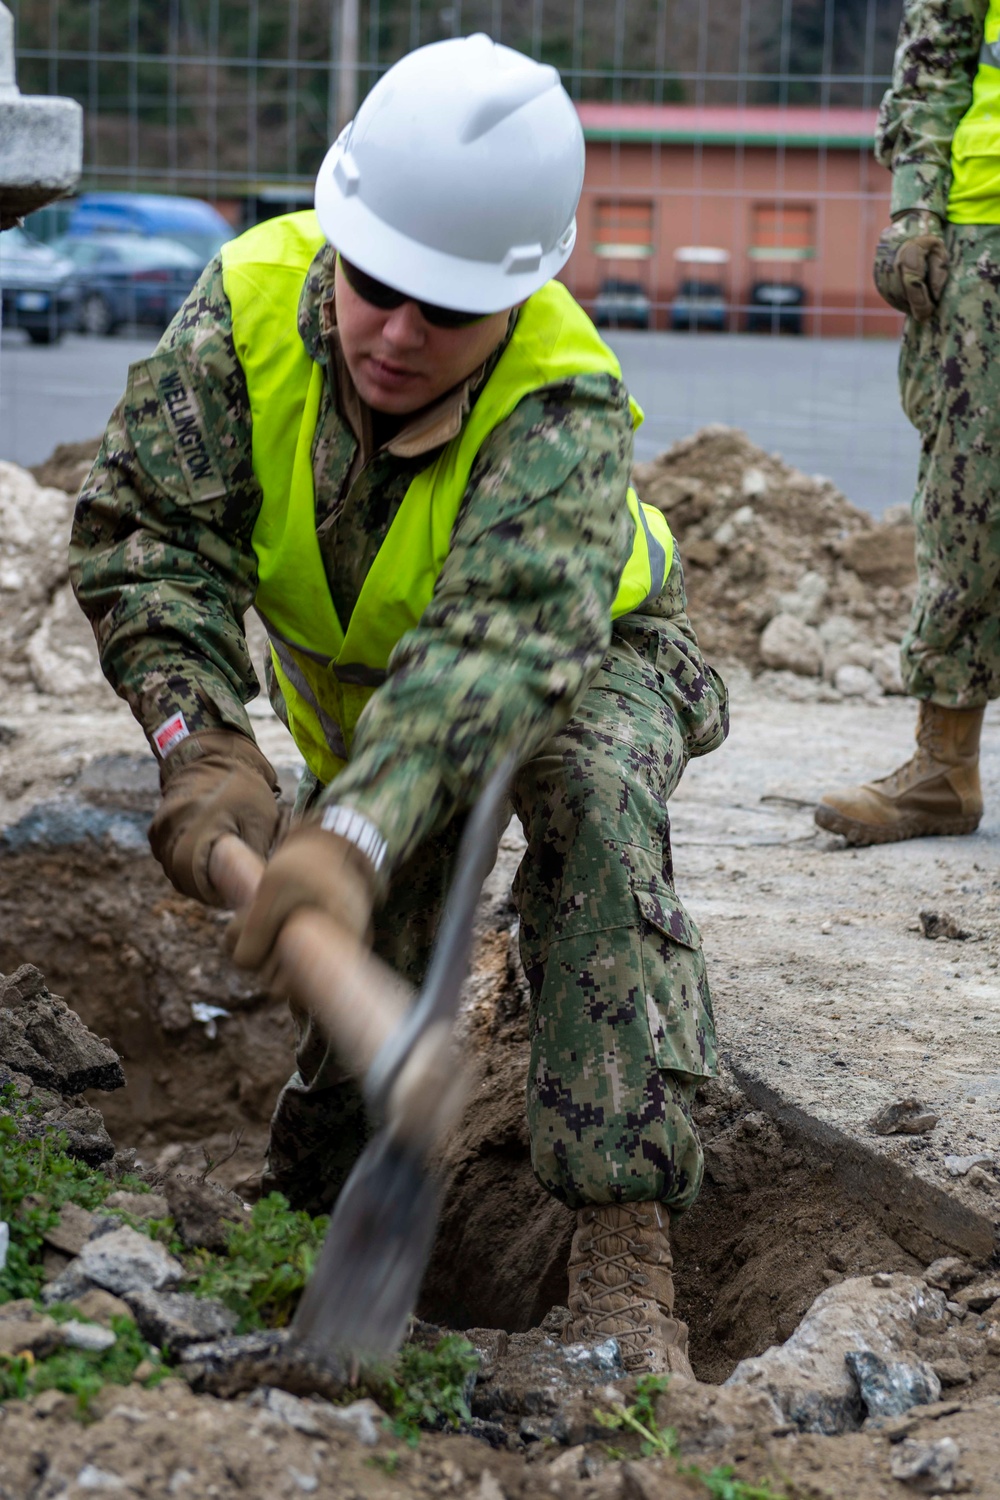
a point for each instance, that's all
(358, 1001)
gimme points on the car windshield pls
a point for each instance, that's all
(133, 251)
(700, 289)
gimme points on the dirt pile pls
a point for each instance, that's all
(782, 571)
(45, 642)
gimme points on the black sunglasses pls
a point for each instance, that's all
(386, 297)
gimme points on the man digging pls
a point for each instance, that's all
(385, 427)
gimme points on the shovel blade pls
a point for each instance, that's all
(368, 1274)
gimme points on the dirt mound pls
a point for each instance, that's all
(67, 466)
(782, 571)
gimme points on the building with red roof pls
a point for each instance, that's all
(740, 202)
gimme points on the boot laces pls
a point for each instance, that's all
(594, 1307)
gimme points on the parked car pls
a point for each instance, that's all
(622, 304)
(39, 287)
(775, 307)
(699, 304)
(190, 221)
(124, 278)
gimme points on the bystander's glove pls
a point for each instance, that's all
(911, 264)
(313, 868)
(215, 782)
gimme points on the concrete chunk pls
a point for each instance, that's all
(126, 1261)
(173, 1320)
(41, 140)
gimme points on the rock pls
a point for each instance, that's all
(72, 1230)
(882, 556)
(890, 1387)
(806, 600)
(173, 1320)
(604, 1358)
(952, 1371)
(926, 1466)
(300, 1414)
(68, 1286)
(808, 1376)
(884, 667)
(939, 925)
(4, 1242)
(978, 1298)
(91, 1477)
(948, 1272)
(491, 1344)
(363, 1418)
(100, 1306)
(86, 1137)
(41, 1037)
(126, 1261)
(227, 1367)
(202, 1212)
(89, 1336)
(36, 1334)
(791, 646)
(856, 682)
(958, 1166)
(907, 1117)
(139, 1205)
(978, 1177)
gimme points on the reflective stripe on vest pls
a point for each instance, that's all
(327, 675)
(975, 146)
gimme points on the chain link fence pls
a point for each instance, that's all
(731, 182)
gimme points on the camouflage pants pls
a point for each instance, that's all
(950, 386)
(621, 1017)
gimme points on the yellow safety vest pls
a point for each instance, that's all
(327, 674)
(975, 146)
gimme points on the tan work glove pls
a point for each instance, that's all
(216, 781)
(911, 264)
(312, 868)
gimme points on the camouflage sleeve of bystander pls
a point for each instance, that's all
(937, 54)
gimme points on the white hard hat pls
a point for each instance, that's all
(458, 179)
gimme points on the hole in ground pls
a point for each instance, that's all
(771, 1230)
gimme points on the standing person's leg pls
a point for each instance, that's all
(621, 1022)
(320, 1124)
(950, 388)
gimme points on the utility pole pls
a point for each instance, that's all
(347, 75)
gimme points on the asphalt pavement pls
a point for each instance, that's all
(828, 406)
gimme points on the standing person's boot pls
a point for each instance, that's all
(936, 791)
(620, 1286)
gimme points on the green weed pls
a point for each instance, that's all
(78, 1372)
(427, 1387)
(267, 1264)
(661, 1442)
(37, 1176)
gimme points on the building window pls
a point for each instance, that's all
(624, 229)
(782, 231)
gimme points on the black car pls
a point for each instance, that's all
(622, 304)
(775, 307)
(40, 291)
(129, 278)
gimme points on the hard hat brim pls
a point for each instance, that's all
(421, 271)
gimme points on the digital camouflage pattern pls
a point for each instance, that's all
(516, 641)
(621, 1016)
(950, 390)
(936, 59)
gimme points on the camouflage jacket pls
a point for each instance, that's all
(162, 562)
(937, 55)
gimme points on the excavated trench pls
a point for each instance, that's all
(145, 968)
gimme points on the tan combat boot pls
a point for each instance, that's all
(620, 1286)
(937, 791)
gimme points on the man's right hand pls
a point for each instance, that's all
(911, 264)
(215, 782)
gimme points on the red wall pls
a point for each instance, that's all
(705, 195)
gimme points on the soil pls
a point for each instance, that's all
(777, 1222)
(751, 529)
